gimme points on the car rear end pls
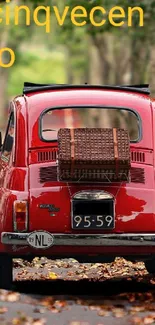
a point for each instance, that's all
(88, 219)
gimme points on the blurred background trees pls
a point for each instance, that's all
(69, 54)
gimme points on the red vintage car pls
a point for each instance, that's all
(42, 215)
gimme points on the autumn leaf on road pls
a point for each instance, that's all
(52, 276)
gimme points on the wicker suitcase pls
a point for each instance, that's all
(93, 154)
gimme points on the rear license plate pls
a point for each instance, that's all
(93, 222)
(93, 214)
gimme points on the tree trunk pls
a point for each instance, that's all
(140, 58)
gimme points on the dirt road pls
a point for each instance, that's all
(65, 292)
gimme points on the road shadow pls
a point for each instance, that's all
(104, 288)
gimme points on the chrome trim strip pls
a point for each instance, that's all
(85, 240)
(96, 195)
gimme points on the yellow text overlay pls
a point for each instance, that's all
(78, 16)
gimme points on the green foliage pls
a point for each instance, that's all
(47, 62)
(35, 68)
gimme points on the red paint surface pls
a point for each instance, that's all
(135, 202)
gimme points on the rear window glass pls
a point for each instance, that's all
(54, 119)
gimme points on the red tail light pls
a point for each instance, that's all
(20, 215)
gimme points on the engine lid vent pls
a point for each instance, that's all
(49, 174)
(138, 156)
(137, 175)
(50, 155)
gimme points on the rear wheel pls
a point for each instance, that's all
(150, 265)
(6, 275)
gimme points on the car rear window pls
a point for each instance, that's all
(83, 117)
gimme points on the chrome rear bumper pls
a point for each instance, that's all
(9, 238)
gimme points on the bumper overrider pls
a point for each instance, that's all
(128, 239)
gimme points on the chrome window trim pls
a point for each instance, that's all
(132, 110)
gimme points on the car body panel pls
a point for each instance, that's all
(20, 178)
(37, 103)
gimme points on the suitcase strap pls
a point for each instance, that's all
(116, 150)
(72, 151)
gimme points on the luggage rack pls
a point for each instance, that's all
(34, 87)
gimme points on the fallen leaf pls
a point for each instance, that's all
(3, 310)
(136, 309)
(16, 321)
(47, 302)
(52, 275)
(103, 313)
(137, 321)
(39, 321)
(85, 276)
(119, 312)
(55, 310)
(12, 296)
(152, 281)
(148, 320)
(61, 304)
